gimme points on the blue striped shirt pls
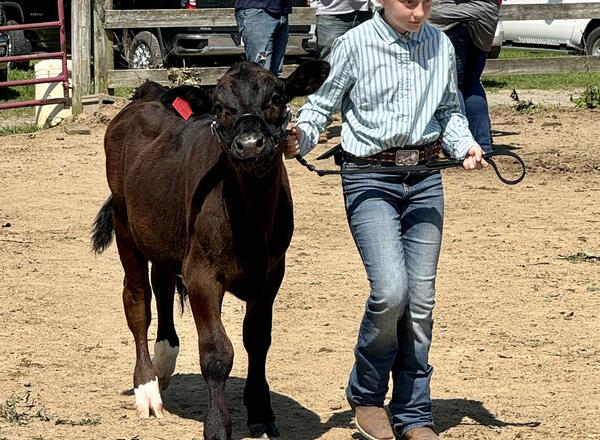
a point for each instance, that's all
(393, 90)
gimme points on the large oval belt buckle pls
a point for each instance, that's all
(407, 157)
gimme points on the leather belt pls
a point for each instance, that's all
(399, 156)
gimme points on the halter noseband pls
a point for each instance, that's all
(277, 133)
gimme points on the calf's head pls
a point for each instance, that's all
(251, 111)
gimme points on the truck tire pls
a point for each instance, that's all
(3, 77)
(18, 45)
(144, 52)
(592, 42)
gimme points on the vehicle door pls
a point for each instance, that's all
(548, 32)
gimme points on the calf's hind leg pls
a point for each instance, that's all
(166, 347)
(137, 296)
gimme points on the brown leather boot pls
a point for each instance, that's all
(421, 433)
(373, 423)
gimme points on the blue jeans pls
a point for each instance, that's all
(397, 226)
(470, 62)
(329, 27)
(265, 37)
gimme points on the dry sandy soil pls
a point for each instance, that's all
(516, 344)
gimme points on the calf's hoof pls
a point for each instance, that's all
(264, 430)
(148, 400)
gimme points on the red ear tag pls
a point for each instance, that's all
(182, 107)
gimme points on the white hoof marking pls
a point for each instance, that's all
(148, 400)
(165, 358)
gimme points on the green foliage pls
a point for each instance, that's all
(507, 52)
(21, 409)
(524, 106)
(124, 92)
(588, 98)
(556, 81)
(86, 421)
(21, 93)
(18, 129)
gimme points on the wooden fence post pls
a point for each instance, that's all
(103, 50)
(81, 16)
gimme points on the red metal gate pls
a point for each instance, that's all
(64, 77)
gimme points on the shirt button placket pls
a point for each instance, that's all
(405, 90)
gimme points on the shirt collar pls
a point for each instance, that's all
(390, 35)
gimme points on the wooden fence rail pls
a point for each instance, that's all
(107, 19)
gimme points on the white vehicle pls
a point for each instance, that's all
(573, 35)
(497, 43)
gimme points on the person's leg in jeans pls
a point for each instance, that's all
(375, 205)
(476, 105)
(280, 39)
(265, 37)
(470, 61)
(422, 224)
(329, 27)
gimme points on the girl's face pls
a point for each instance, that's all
(406, 15)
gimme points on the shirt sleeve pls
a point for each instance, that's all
(456, 137)
(315, 115)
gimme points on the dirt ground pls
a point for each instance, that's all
(516, 342)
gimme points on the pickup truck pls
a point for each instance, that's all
(3, 52)
(148, 48)
(152, 48)
(34, 11)
(581, 36)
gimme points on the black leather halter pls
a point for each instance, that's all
(277, 133)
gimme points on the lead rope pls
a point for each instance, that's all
(429, 166)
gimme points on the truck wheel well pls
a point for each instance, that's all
(13, 11)
(593, 24)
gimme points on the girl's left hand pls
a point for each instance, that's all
(474, 159)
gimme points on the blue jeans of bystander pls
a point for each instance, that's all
(265, 37)
(470, 62)
(396, 222)
(329, 27)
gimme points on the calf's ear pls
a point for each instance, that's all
(200, 101)
(306, 79)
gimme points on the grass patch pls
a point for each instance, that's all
(553, 81)
(558, 81)
(508, 52)
(21, 93)
(21, 409)
(18, 129)
(86, 421)
(124, 92)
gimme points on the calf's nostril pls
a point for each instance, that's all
(250, 143)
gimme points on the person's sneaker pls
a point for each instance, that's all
(373, 423)
(424, 433)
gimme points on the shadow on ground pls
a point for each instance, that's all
(449, 413)
(187, 397)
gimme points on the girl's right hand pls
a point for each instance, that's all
(291, 145)
(474, 159)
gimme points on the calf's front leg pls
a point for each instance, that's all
(257, 340)
(216, 351)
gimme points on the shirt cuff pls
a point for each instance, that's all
(460, 149)
(309, 137)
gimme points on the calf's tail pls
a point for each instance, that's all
(102, 232)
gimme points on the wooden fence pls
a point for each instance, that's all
(99, 16)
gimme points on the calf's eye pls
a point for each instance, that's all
(276, 100)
